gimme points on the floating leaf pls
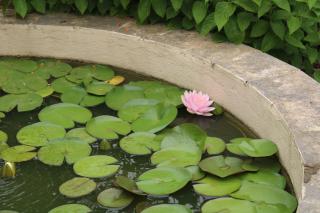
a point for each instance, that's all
(71, 208)
(224, 166)
(45, 92)
(262, 193)
(92, 100)
(119, 96)
(269, 178)
(115, 198)
(18, 153)
(21, 65)
(40, 133)
(56, 69)
(77, 187)
(3, 141)
(24, 102)
(172, 208)
(265, 208)
(69, 149)
(214, 145)
(98, 88)
(196, 172)
(258, 148)
(267, 164)
(61, 85)
(234, 148)
(81, 133)
(229, 205)
(140, 143)
(65, 114)
(128, 185)
(96, 166)
(217, 187)
(73, 95)
(107, 127)
(163, 180)
(90, 72)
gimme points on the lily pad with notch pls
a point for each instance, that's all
(54, 68)
(163, 180)
(172, 208)
(265, 177)
(61, 85)
(107, 127)
(229, 205)
(87, 73)
(68, 149)
(97, 166)
(65, 114)
(81, 133)
(128, 184)
(196, 172)
(77, 187)
(258, 148)
(98, 88)
(115, 198)
(214, 145)
(38, 134)
(23, 102)
(140, 143)
(68, 208)
(18, 153)
(21, 65)
(234, 148)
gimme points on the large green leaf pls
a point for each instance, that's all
(77, 187)
(96, 166)
(65, 114)
(89, 72)
(223, 11)
(107, 127)
(82, 134)
(262, 193)
(283, 4)
(128, 184)
(264, 177)
(21, 65)
(214, 145)
(163, 208)
(56, 69)
(61, 85)
(199, 11)
(71, 208)
(115, 198)
(68, 149)
(217, 187)
(81, 5)
(229, 205)
(18, 153)
(144, 9)
(98, 88)
(196, 172)
(163, 180)
(140, 143)
(40, 133)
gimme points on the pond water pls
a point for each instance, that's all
(35, 189)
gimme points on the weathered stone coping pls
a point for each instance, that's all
(274, 99)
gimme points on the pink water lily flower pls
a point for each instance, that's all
(197, 103)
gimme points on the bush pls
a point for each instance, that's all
(286, 29)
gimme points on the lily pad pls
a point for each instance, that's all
(71, 208)
(24, 102)
(56, 69)
(90, 72)
(262, 193)
(40, 133)
(91, 100)
(229, 205)
(115, 198)
(268, 164)
(217, 187)
(172, 208)
(140, 143)
(128, 184)
(21, 65)
(265, 208)
(107, 127)
(18, 153)
(69, 149)
(45, 92)
(225, 166)
(96, 166)
(234, 148)
(163, 180)
(258, 148)
(61, 85)
(269, 178)
(77, 187)
(98, 88)
(65, 114)
(214, 145)
(78, 95)
(119, 96)
(3, 141)
(81, 133)
(196, 172)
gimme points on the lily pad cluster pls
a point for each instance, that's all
(239, 176)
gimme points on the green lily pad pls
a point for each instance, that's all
(119, 96)
(8, 211)
(163, 208)
(96, 166)
(115, 198)
(155, 119)
(258, 148)
(3, 142)
(98, 88)
(45, 92)
(90, 72)
(269, 178)
(225, 166)
(92, 100)
(265, 208)
(128, 184)
(78, 95)
(81, 133)
(71, 208)
(107, 127)
(18, 153)
(61, 85)
(234, 148)
(77, 187)
(262, 193)
(56, 69)
(24, 102)
(217, 187)
(214, 145)
(229, 205)
(69, 149)
(268, 164)
(40, 133)
(65, 114)
(196, 172)
(21, 65)
(140, 143)
(163, 180)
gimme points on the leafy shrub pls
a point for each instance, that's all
(287, 29)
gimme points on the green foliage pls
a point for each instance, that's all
(286, 29)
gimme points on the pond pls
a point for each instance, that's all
(37, 185)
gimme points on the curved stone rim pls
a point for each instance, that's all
(274, 99)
